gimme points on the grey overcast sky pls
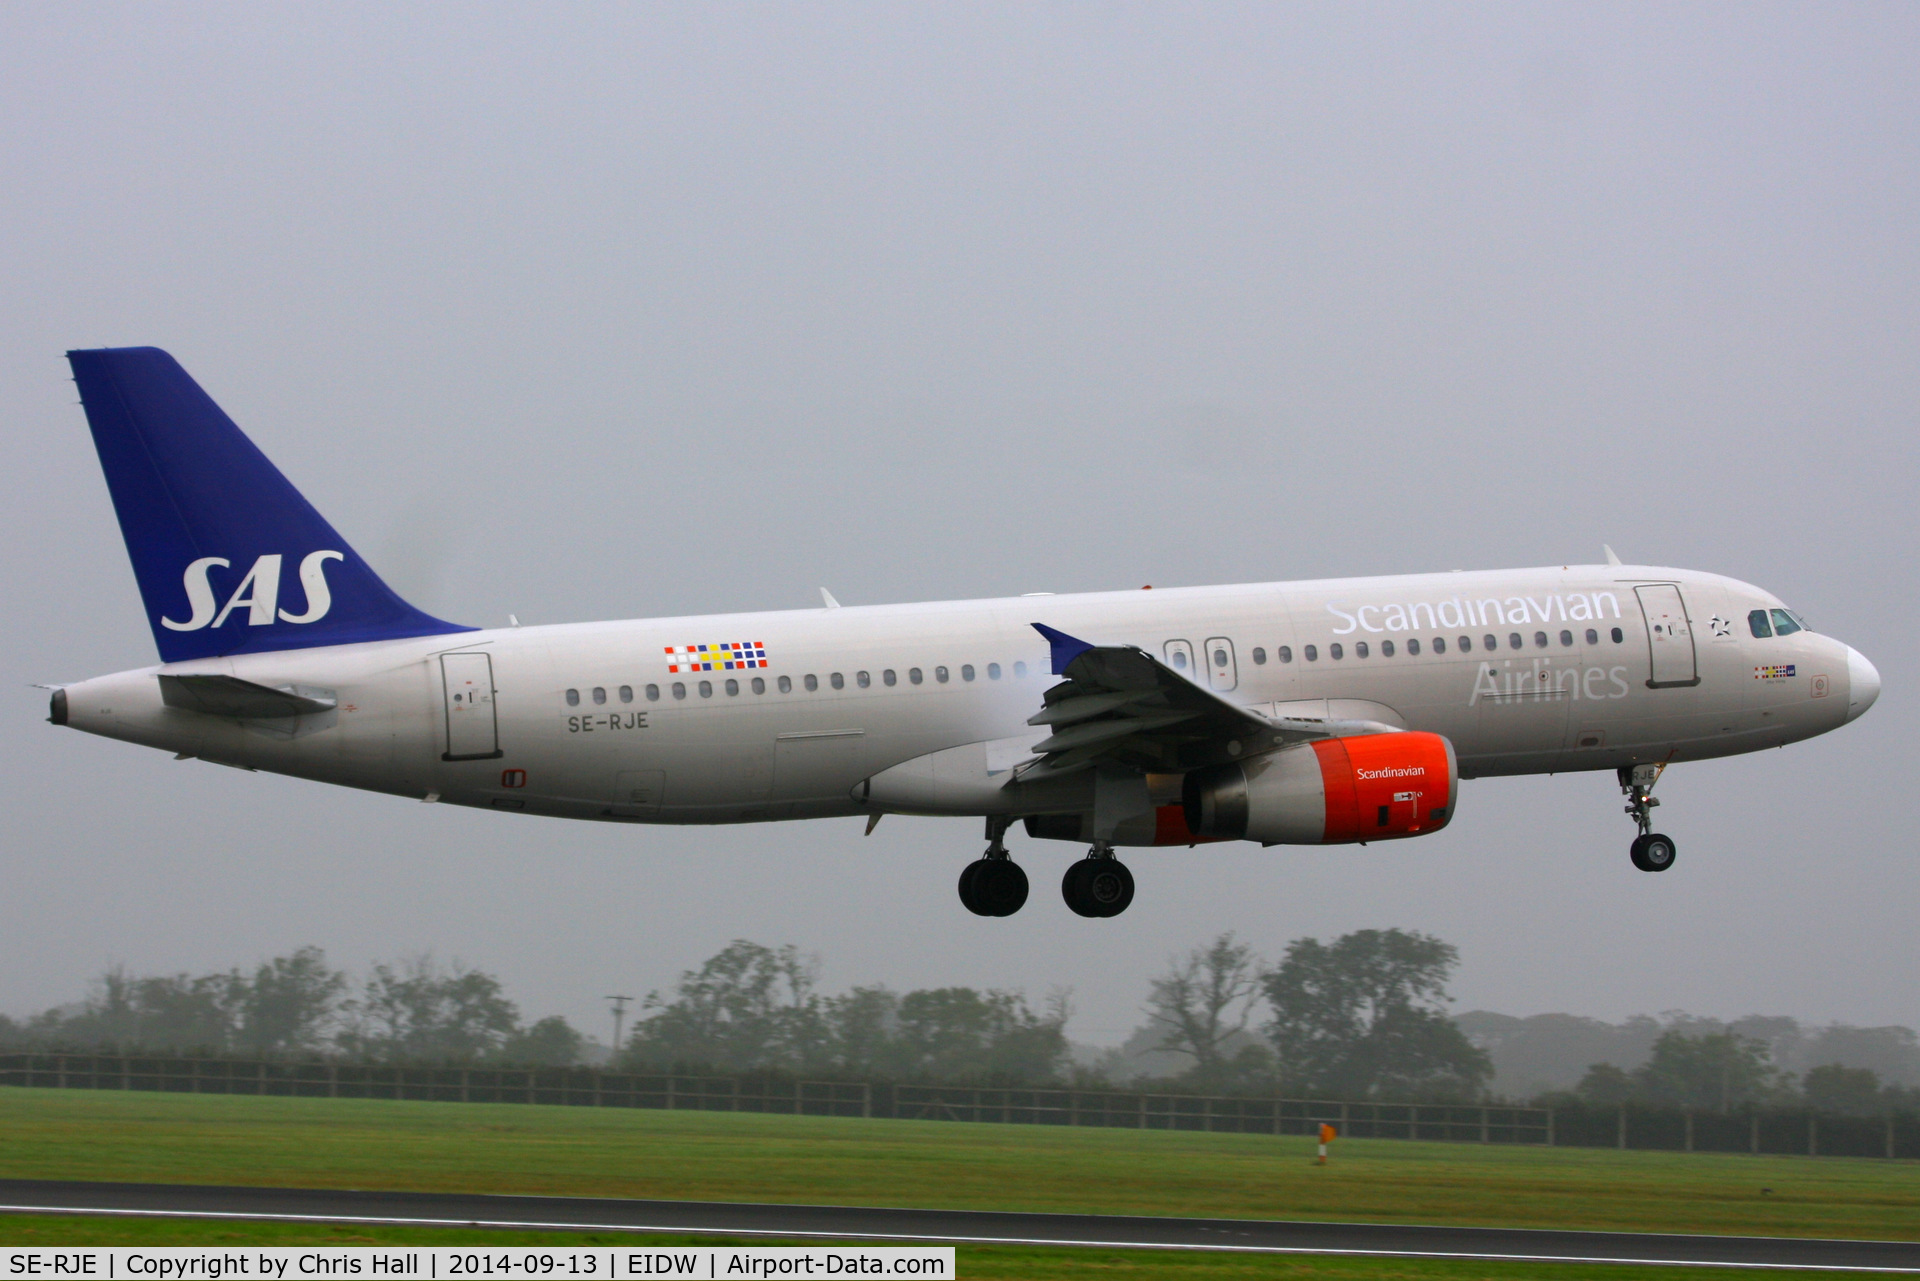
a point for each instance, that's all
(591, 311)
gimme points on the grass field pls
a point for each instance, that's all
(173, 1138)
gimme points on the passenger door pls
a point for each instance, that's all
(1669, 637)
(466, 682)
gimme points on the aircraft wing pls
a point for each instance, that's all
(1120, 705)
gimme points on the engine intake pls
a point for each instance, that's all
(1333, 791)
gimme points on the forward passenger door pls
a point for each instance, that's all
(1669, 636)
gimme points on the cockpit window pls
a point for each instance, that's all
(1757, 624)
(1784, 623)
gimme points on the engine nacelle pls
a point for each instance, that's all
(1332, 791)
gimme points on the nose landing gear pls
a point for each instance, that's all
(993, 884)
(1651, 851)
(1098, 885)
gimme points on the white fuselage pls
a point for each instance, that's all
(587, 721)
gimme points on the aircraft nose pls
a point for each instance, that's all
(1863, 683)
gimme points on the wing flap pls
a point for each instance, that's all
(1121, 707)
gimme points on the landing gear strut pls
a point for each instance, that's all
(993, 884)
(1651, 852)
(1098, 885)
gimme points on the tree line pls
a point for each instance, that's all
(1363, 1016)
(1727, 1072)
(411, 1011)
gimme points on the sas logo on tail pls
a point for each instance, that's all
(258, 593)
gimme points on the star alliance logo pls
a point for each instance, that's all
(1722, 627)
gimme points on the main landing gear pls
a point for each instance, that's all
(1652, 852)
(993, 884)
(1098, 885)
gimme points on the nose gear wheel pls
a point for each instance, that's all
(1651, 851)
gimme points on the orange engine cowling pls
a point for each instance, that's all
(1372, 787)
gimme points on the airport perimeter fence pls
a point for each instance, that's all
(583, 1087)
(1784, 1131)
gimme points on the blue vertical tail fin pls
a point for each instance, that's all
(230, 558)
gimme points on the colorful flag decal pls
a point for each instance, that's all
(1773, 671)
(729, 656)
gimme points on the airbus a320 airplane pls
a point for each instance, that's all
(1307, 713)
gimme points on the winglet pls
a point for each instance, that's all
(827, 598)
(1611, 558)
(1065, 648)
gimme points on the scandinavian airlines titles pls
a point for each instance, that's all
(1573, 607)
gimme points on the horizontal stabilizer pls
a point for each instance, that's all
(243, 700)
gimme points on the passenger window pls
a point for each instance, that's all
(1413, 645)
(838, 681)
(653, 693)
(888, 677)
(940, 674)
(1617, 636)
(1757, 624)
(913, 674)
(1313, 654)
(1439, 644)
(599, 694)
(1020, 671)
(1784, 623)
(1593, 637)
(1179, 660)
(862, 680)
(993, 671)
(1386, 649)
(1466, 644)
(966, 671)
(679, 689)
(1286, 653)
(786, 684)
(626, 693)
(1219, 658)
(706, 689)
(573, 698)
(1540, 639)
(1335, 652)
(733, 687)
(1259, 657)
(1490, 642)
(811, 681)
(759, 685)
(1566, 638)
(1360, 649)
(1514, 641)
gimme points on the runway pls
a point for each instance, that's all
(958, 1227)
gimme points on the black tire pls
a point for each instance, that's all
(1097, 887)
(999, 887)
(1637, 854)
(968, 898)
(1656, 853)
